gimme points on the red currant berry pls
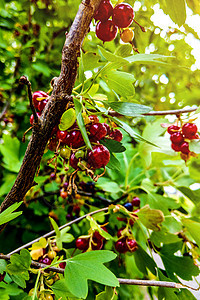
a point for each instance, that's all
(121, 246)
(177, 138)
(123, 15)
(98, 131)
(104, 11)
(184, 148)
(107, 127)
(97, 244)
(119, 232)
(176, 147)
(62, 265)
(73, 161)
(61, 135)
(76, 210)
(116, 135)
(132, 245)
(32, 117)
(97, 236)
(36, 95)
(128, 206)
(136, 202)
(106, 31)
(173, 128)
(82, 243)
(45, 260)
(42, 104)
(74, 139)
(53, 176)
(93, 119)
(98, 157)
(63, 194)
(189, 130)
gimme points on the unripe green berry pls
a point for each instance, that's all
(79, 154)
(65, 152)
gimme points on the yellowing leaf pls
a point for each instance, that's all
(151, 218)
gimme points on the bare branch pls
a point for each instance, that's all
(166, 284)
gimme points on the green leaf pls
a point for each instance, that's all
(8, 214)
(113, 146)
(19, 266)
(124, 50)
(193, 228)
(66, 237)
(67, 120)
(108, 186)
(9, 180)
(129, 109)
(61, 290)
(10, 152)
(109, 293)
(184, 267)
(3, 265)
(91, 61)
(192, 195)
(42, 67)
(114, 163)
(80, 121)
(164, 237)
(89, 266)
(110, 56)
(151, 218)
(144, 261)
(166, 293)
(120, 82)
(176, 9)
(10, 288)
(157, 201)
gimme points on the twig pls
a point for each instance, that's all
(24, 80)
(170, 112)
(61, 227)
(167, 284)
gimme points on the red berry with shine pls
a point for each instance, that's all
(45, 260)
(104, 11)
(132, 245)
(74, 139)
(136, 202)
(42, 104)
(106, 31)
(189, 130)
(116, 135)
(73, 161)
(98, 157)
(82, 244)
(119, 232)
(176, 147)
(121, 246)
(98, 131)
(107, 127)
(177, 138)
(123, 15)
(38, 94)
(173, 128)
(184, 148)
(62, 265)
(61, 135)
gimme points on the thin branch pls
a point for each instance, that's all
(24, 80)
(166, 284)
(61, 227)
(170, 112)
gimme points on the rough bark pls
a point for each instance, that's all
(62, 89)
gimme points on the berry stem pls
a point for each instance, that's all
(141, 27)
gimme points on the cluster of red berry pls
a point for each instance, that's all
(125, 241)
(181, 136)
(94, 241)
(71, 143)
(122, 17)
